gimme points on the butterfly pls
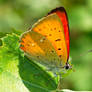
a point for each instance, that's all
(47, 42)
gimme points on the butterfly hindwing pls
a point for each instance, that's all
(38, 48)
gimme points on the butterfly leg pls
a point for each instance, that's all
(59, 82)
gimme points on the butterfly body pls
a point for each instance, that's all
(47, 42)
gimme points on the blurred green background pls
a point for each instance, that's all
(22, 14)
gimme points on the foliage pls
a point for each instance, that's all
(18, 73)
(21, 14)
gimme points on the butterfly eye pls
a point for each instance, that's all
(67, 66)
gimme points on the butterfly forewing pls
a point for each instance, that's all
(61, 12)
(51, 27)
(45, 42)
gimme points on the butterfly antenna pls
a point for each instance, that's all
(85, 53)
(90, 50)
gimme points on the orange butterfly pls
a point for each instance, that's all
(47, 42)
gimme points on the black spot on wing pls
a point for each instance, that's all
(59, 48)
(52, 51)
(39, 29)
(58, 40)
(60, 55)
(54, 28)
(50, 35)
(37, 56)
(59, 31)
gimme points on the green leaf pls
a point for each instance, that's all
(0, 42)
(2, 34)
(18, 32)
(18, 73)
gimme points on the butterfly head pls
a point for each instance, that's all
(68, 66)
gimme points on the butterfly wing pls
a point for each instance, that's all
(45, 42)
(63, 17)
(38, 48)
